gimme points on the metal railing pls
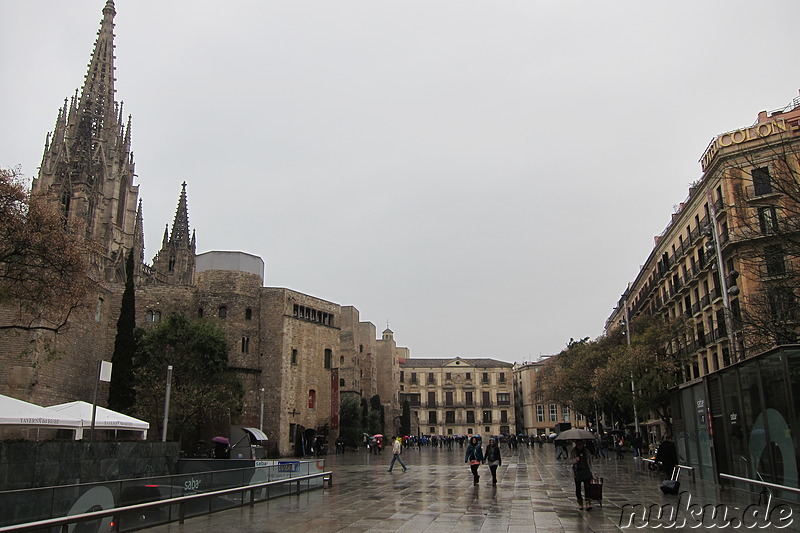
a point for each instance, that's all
(766, 484)
(65, 521)
(682, 467)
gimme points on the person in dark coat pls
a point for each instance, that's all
(582, 472)
(474, 457)
(667, 455)
(493, 458)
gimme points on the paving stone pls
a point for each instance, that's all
(535, 494)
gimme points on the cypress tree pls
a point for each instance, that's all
(405, 419)
(121, 394)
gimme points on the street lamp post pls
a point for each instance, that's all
(261, 412)
(166, 404)
(713, 233)
(628, 338)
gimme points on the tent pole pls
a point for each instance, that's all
(94, 400)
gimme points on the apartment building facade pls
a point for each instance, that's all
(535, 414)
(726, 265)
(459, 396)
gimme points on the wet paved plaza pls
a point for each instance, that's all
(535, 493)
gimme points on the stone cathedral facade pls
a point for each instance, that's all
(294, 353)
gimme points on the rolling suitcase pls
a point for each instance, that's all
(594, 491)
(672, 485)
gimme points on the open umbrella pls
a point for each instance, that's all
(221, 440)
(377, 435)
(576, 434)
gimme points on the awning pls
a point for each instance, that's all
(14, 412)
(256, 433)
(104, 418)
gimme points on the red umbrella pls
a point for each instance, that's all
(221, 440)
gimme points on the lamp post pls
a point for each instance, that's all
(166, 404)
(261, 412)
(103, 374)
(713, 233)
(628, 338)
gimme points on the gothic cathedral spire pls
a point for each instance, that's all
(87, 164)
(175, 262)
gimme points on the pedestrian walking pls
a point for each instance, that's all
(397, 449)
(561, 449)
(474, 457)
(582, 472)
(493, 458)
(604, 444)
(667, 455)
(637, 445)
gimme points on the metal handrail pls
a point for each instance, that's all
(65, 521)
(761, 483)
(684, 467)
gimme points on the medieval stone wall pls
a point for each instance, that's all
(290, 382)
(47, 368)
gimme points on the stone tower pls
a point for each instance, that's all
(88, 167)
(175, 262)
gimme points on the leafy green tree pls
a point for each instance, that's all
(600, 374)
(350, 420)
(567, 378)
(376, 416)
(365, 414)
(649, 364)
(121, 393)
(204, 389)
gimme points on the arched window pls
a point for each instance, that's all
(200, 312)
(341, 382)
(171, 263)
(223, 311)
(341, 360)
(312, 399)
(248, 314)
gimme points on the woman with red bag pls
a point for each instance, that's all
(474, 457)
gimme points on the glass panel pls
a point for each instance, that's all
(793, 375)
(778, 413)
(703, 438)
(752, 422)
(734, 431)
(686, 440)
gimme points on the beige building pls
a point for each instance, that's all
(724, 244)
(726, 261)
(535, 416)
(459, 396)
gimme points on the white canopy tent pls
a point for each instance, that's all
(18, 413)
(104, 418)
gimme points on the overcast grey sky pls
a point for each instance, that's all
(485, 175)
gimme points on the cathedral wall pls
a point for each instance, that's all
(237, 293)
(47, 368)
